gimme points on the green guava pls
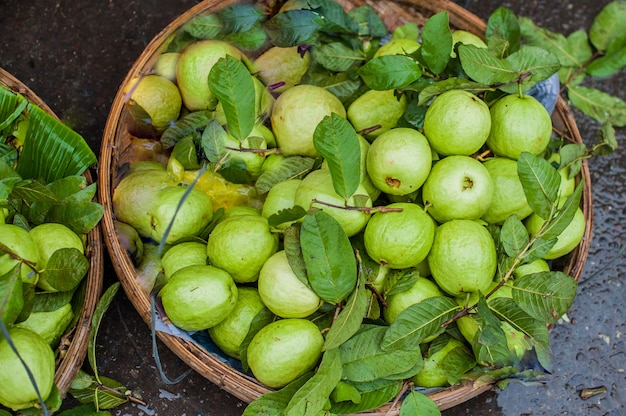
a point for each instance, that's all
(296, 114)
(50, 325)
(374, 112)
(230, 333)
(16, 389)
(433, 374)
(463, 257)
(508, 194)
(199, 297)
(281, 196)
(241, 245)
(398, 46)
(567, 240)
(283, 292)
(466, 38)
(284, 350)
(399, 239)
(165, 65)
(457, 123)
(158, 97)
(282, 68)
(423, 288)
(537, 266)
(316, 191)
(249, 151)
(458, 187)
(567, 184)
(399, 161)
(19, 241)
(183, 254)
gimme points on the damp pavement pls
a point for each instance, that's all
(74, 55)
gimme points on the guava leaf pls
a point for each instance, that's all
(368, 21)
(338, 143)
(102, 306)
(291, 167)
(293, 250)
(11, 297)
(186, 153)
(103, 398)
(363, 359)
(570, 154)
(606, 143)
(607, 65)
(483, 67)
(184, 126)
(489, 343)
(607, 29)
(286, 215)
(250, 40)
(33, 191)
(598, 105)
(371, 399)
(538, 62)
(440, 87)
(349, 319)
(337, 57)
(84, 410)
(213, 143)
(416, 403)
(436, 42)
(240, 17)
(540, 181)
(390, 72)
(328, 255)
(204, 26)
(66, 268)
(418, 322)
(344, 391)
(545, 296)
(261, 319)
(312, 397)
(457, 362)
(400, 280)
(564, 215)
(51, 301)
(275, 402)
(80, 217)
(294, 27)
(503, 28)
(231, 82)
(513, 236)
(539, 248)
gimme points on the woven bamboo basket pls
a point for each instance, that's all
(72, 349)
(115, 151)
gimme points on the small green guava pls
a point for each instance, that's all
(423, 288)
(458, 187)
(508, 193)
(187, 253)
(230, 333)
(283, 292)
(463, 257)
(199, 297)
(281, 196)
(375, 112)
(399, 239)
(433, 374)
(241, 245)
(466, 38)
(567, 184)
(567, 240)
(165, 65)
(537, 266)
(457, 123)
(284, 350)
(20, 242)
(50, 325)
(399, 161)
(282, 68)
(16, 388)
(296, 114)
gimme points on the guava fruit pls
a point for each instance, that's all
(241, 245)
(519, 124)
(199, 297)
(466, 38)
(282, 68)
(374, 112)
(434, 374)
(230, 333)
(398, 46)
(463, 257)
(399, 161)
(16, 389)
(296, 114)
(165, 65)
(399, 239)
(240, 210)
(193, 215)
(281, 196)
(284, 350)
(567, 184)
(158, 97)
(183, 254)
(49, 238)
(318, 186)
(458, 187)
(19, 241)
(193, 68)
(537, 266)
(508, 194)
(50, 325)
(250, 152)
(283, 292)
(129, 239)
(457, 123)
(567, 240)
(423, 288)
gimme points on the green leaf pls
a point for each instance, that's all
(390, 72)
(103, 392)
(539, 248)
(11, 297)
(240, 17)
(274, 402)
(231, 82)
(540, 181)
(250, 40)
(489, 344)
(503, 28)
(349, 319)
(291, 167)
(328, 255)
(84, 410)
(344, 391)
(483, 67)
(293, 250)
(213, 142)
(312, 397)
(204, 26)
(338, 143)
(337, 57)
(294, 27)
(436, 42)
(368, 21)
(363, 359)
(538, 62)
(33, 191)
(545, 296)
(186, 153)
(570, 154)
(96, 319)
(598, 105)
(80, 217)
(416, 403)
(606, 144)
(514, 236)
(440, 87)
(185, 126)
(66, 268)
(419, 322)
(608, 65)
(286, 215)
(564, 215)
(607, 29)
(370, 400)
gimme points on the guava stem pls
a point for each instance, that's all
(367, 210)
(127, 394)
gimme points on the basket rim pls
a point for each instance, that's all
(240, 385)
(73, 350)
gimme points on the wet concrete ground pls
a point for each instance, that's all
(74, 54)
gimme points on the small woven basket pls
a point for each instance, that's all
(72, 349)
(115, 152)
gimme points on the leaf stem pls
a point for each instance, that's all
(367, 210)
